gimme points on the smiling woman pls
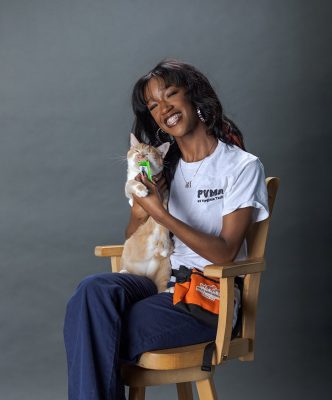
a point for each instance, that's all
(217, 190)
(175, 98)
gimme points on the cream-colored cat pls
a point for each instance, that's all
(147, 250)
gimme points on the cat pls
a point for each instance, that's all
(146, 252)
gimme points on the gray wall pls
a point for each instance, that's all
(67, 68)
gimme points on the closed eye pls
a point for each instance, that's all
(172, 93)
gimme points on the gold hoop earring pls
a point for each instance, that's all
(167, 135)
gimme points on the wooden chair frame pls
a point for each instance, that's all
(182, 365)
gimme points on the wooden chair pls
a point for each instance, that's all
(182, 365)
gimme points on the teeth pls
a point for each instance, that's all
(173, 119)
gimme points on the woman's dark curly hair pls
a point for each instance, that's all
(199, 92)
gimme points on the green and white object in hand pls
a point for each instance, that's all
(144, 166)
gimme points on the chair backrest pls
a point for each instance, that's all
(256, 241)
(257, 234)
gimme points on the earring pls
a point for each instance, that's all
(200, 116)
(170, 138)
(157, 135)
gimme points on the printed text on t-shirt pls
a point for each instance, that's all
(206, 195)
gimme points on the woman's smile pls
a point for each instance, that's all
(173, 119)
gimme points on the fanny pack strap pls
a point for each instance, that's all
(207, 356)
(182, 274)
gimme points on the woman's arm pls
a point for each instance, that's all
(217, 249)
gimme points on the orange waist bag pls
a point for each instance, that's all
(197, 295)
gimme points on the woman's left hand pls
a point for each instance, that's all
(152, 203)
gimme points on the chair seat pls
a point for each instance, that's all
(188, 356)
(180, 364)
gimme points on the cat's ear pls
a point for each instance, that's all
(163, 148)
(133, 141)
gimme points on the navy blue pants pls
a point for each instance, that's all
(113, 316)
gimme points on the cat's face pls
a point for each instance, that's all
(141, 151)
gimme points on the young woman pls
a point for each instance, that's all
(217, 190)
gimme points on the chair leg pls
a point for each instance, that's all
(136, 393)
(185, 391)
(206, 389)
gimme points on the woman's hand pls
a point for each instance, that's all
(153, 203)
(160, 181)
(140, 212)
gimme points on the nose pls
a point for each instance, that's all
(141, 157)
(165, 107)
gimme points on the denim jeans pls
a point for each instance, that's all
(113, 317)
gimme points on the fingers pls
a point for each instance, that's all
(150, 185)
(138, 178)
(142, 177)
(158, 182)
(158, 177)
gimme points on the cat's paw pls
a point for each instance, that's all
(137, 188)
(124, 271)
(164, 252)
(141, 190)
(163, 249)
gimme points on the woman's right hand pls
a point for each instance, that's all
(160, 181)
(137, 211)
(138, 215)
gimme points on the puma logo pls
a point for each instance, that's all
(205, 195)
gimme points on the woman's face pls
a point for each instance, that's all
(170, 108)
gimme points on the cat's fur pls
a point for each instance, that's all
(147, 250)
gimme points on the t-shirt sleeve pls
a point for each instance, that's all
(249, 190)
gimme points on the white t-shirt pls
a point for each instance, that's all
(228, 179)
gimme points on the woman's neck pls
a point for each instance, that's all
(196, 147)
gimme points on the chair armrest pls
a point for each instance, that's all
(232, 269)
(226, 273)
(109, 251)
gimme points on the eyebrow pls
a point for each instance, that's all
(166, 87)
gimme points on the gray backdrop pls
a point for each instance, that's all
(67, 68)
